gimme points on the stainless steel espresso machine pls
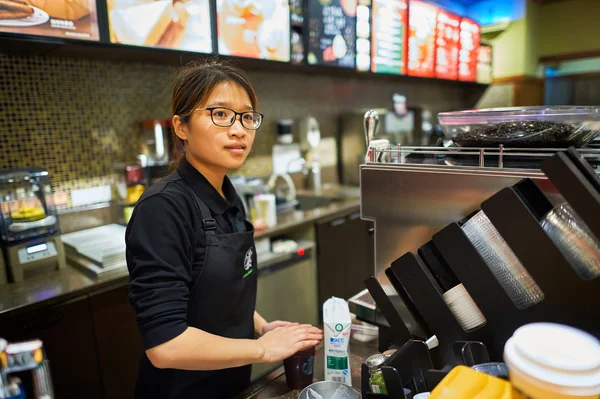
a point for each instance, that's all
(478, 237)
(29, 228)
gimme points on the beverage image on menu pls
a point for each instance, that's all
(421, 39)
(332, 32)
(175, 24)
(254, 28)
(73, 19)
(389, 31)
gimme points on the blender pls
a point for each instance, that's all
(29, 229)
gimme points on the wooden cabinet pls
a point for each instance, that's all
(345, 251)
(92, 343)
(68, 336)
(118, 342)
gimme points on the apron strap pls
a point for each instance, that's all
(209, 223)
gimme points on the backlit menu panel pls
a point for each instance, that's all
(254, 28)
(332, 32)
(447, 45)
(181, 25)
(421, 39)
(484, 64)
(390, 18)
(69, 19)
(470, 34)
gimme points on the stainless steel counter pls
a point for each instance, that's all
(274, 385)
(68, 283)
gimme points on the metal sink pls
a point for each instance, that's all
(309, 202)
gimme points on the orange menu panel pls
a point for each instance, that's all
(447, 45)
(421, 39)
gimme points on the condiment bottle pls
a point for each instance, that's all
(376, 381)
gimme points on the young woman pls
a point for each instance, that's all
(191, 255)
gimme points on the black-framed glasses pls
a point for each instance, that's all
(225, 117)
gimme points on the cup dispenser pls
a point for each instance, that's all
(523, 275)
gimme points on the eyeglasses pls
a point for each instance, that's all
(225, 117)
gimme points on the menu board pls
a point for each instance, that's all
(447, 45)
(421, 39)
(179, 24)
(254, 28)
(332, 32)
(470, 34)
(71, 19)
(484, 64)
(363, 36)
(390, 18)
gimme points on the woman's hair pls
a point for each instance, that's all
(192, 86)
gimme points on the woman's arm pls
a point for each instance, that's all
(195, 349)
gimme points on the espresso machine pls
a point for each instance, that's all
(29, 228)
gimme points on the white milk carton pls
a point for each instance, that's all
(336, 318)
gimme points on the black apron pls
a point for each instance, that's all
(222, 302)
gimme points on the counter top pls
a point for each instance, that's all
(274, 385)
(69, 282)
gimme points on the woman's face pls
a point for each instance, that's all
(214, 146)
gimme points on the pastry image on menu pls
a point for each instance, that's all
(74, 19)
(175, 24)
(254, 28)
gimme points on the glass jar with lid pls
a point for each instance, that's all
(376, 381)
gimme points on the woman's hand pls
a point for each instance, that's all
(283, 342)
(274, 325)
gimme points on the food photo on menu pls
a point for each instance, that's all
(332, 32)
(254, 29)
(73, 19)
(175, 24)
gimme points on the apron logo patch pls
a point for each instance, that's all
(248, 263)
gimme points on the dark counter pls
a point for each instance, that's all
(67, 283)
(273, 385)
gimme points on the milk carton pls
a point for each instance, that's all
(336, 318)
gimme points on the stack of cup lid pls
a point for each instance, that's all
(464, 308)
(553, 361)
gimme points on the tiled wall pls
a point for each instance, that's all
(77, 117)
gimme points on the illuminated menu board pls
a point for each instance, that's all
(70, 19)
(332, 32)
(182, 25)
(447, 45)
(484, 64)
(390, 19)
(470, 34)
(254, 28)
(421, 39)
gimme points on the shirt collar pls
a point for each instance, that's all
(205, 190)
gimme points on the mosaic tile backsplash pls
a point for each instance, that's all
(79, 117)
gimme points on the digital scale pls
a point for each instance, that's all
(29, 229)
(30, 259)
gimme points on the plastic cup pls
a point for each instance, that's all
(299, 369)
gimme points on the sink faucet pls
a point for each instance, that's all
(315, 170)
(291, 192)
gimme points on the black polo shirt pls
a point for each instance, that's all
(165, 248)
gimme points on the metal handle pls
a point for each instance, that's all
(371, 121)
